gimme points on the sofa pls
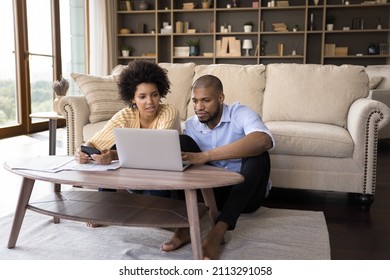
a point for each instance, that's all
(325, 127)
(379, 76)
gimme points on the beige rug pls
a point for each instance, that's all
(268, 234)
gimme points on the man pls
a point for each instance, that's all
(232, 137)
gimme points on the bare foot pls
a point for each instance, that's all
(180, 238)
(93, 225)
(213, 240)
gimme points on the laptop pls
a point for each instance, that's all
(157, 149)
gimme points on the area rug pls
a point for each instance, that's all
(268, 234)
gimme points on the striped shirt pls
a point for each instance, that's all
(167, 118)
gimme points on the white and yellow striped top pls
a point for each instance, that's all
(167, 118)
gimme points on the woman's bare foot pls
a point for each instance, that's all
(180, 238)
(213, 240)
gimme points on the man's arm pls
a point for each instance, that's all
(252, 144)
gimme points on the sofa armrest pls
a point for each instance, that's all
(382, 95)
(365, 118)
(76, 112)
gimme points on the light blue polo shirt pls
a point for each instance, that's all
(236, 121)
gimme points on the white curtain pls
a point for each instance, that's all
(101, 27)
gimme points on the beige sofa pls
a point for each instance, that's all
(379, 76)
(325, 128)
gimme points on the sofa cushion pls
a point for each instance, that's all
(90, 129)
(243, 83)
(101, 94)
(314, 139)
(312, 93)
(180, 75)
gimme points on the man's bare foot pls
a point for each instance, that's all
(93, 225)
(180, 238)
(213, 240)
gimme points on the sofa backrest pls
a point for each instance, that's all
(312, 93)
(243, 83)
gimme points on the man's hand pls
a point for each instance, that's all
(196, 158)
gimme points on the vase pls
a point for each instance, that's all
(316, 2)
(372, 49)
(194, 50)
(142, 5)
(247, 28)
(205, 5)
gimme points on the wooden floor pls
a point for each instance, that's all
(353, 234)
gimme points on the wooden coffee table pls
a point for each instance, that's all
(122, 208)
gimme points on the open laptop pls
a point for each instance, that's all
(149, 149)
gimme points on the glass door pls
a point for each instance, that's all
(30, 62)
(8, 91)
(40, 55)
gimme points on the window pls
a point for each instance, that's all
(32, 57)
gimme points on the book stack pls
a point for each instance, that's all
(330, 49)
(125, 6)
(384, 48)
(182, 51)
(228, 46)
(279, 27)
(182, 27)
(188, 6)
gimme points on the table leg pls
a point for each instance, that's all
(52, 136)
(57, 188)
(24, 197)
(209, 200)
(52, 151)
(193, 220)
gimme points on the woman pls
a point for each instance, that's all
(141, 85)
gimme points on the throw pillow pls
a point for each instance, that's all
(380, 71)
(180, 75)
(101, 94)
(375, 81)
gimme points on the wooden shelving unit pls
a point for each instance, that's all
(305, 45)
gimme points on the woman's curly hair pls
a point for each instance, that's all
(138, 72)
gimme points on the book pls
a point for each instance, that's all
(330, 49)
(279, 27)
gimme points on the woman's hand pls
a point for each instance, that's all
(81, 157)
(104, 158)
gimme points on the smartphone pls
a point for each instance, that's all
(90, 151)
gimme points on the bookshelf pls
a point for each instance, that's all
(297, 27)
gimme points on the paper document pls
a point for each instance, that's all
(59, 163)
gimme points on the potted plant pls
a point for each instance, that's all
(206, 4)
(248, 26)
(126, 51)
(194, 47)
(330, 22)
